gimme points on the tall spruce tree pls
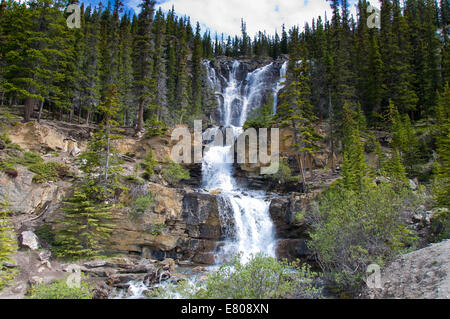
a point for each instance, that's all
(159, 68)
(354, 166)
(197, 68)
(144, 83)
(441, 189)
(296, 109)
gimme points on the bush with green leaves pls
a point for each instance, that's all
(30, 158)
(142, 205)
(351, 230)
(440, 225)
(60, 289)
(261, 117)
(149, 164)
(5, 138)
(174, 172)
(8, 242)
(283, 174)
(154, 127)
(260, 278)
(50, 171)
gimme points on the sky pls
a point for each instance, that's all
(224, 16)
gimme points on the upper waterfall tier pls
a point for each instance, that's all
(242, 86)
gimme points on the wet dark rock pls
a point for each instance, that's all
(201, 215)
(293, 249)
(283, 212)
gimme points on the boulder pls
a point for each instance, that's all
(45, 255)
(35, 280)
(204, 258)
(29, 240)
(422, 274)
(75, 152)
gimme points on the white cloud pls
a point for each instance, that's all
(260, 15)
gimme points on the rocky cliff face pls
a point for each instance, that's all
(183, 225)
(292, 233)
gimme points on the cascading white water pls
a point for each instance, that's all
(280, 85)
(253, 92)
(251, 229)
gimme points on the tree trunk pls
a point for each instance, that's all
(88, 115)
(3, 98)
(302, 171)
(53, 112)
(28, 109)
(140, 123)
(41, 106)
(72, 112)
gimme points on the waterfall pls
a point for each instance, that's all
(244, 213)
(280, 85)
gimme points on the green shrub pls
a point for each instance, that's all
(284, 174)
(353, 230)
(149, 164)
(8, 242)
(31, 158)
(440, 225)
(60, 289)
(134, 180)
(261, 117)
(50, 171)
(46, 233)
(371, 144)
(154, 127)
(5, 138)
(174, 172)
(260, 278)
(157, 230)
(142, 205)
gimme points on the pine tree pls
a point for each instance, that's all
(394, 166)
(159, 68)
(39, 52)
(197, 68)
(85, 225)
(144, 84)
(125, 79)
(101, 157)
(296, 109)
(90, 81)
(410, 151)
(354, 167)
(284, 41)
(8, 242)
(441, 190)
(149, 164)
(182, 89)
(2, 54)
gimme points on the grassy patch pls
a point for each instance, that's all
(61, 289)
(51, 171)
